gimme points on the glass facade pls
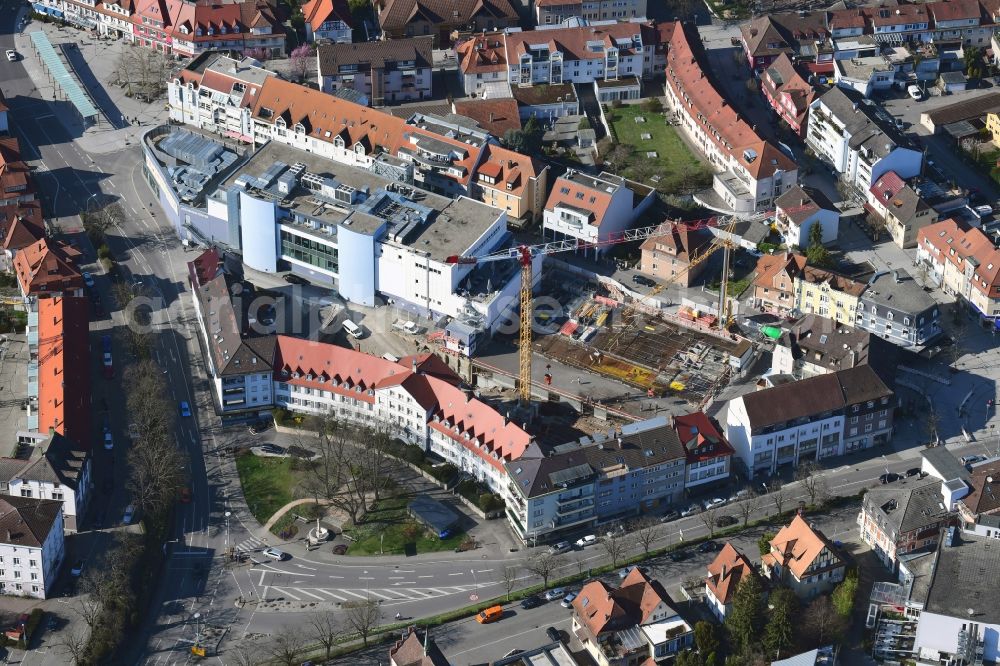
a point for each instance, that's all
(312, 252)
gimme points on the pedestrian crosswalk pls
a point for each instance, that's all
(249, 545)
(383, 595)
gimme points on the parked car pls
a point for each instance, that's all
(77, 568)
(625, 571)
(559, 548)
(553, 634)
(567, 601)
(128, 515)
(725, 521)
(915, 92)
(584, 541)
(678, 555)
(274, 554)
(740, 495)
(11, 55)
(669, 516)
(109, 441)
(108, 368)
(643, 280)
(184, 409)
(913, 471)
(534, 601)
(292, 278)
(888, 478)
(555, 593)
(968, 461)
(713, 503)
(708, 547)
(691, 510)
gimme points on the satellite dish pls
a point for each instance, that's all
(989, 479)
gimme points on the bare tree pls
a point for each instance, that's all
(647, 530)
(707, 518)
(76, 645)
(141, 72)
(821, 622)
(89, 608)
(339, 473)
(777, 495)
(617, 544)
(932, 423)
(543, 565)
(363, 617)
(244, 655)
(287, 647)
(747, 507)
(327, 630)
(812, 482)
(509, 577)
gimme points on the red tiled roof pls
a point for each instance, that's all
(684, 241)
(718, 118)
(953, 10)
(482, 53)
(14, 173)
(577, 195)
(700, 438)
(496, 116)
(797, 546)
(63, 347)
(508, 168)
(887, 186)
(726, 571)
(771, 265)
(940, 238)
(396, 14)
(602, 608)
(467, 420)
(318, 12)
(21, 225)
(575, 42)
(205, 266)
(46, 266)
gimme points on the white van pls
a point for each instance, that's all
(353, 329)
(915, 92)
(390, 357)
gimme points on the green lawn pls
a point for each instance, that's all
(267, 483)
(389, 529)
(673, 162)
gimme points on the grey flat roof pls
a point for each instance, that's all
(435, 514)
(455, 228)
(964, 578)
(945, 462)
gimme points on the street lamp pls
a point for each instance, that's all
(228, 513)
(197, 636)
(87, 206)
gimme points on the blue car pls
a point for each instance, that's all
(106, 343)
(185, 409)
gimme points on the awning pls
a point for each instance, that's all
(820, 67)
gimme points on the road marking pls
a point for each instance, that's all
(379, 594)
(484, 570)
(425, 576)
(314, 596)
(285, 591)
(422, 593)
(396, 577)
(405, 582)
(457, 573)
(328, 592)
(396, 592)
(354, 594)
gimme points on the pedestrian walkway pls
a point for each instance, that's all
(110, 135)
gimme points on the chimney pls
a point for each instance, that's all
(725, 569)
(413, 366)
(620, 442)
(895, 276)
(491, 117)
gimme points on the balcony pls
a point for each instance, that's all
(574, 507)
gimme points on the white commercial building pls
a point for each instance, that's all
(859, 140)
(32, 545)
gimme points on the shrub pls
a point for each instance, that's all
(104, 252)
(489, 502)
(281, 415)
(443, 473)
(653, 105)
(584, 123)
(616, 104)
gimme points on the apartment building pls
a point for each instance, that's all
(893, 306)
(443, 19)
(725, 573)
(828, 294)
(854, 136)
(750, 172)
(482, 61)
(56, 469)
(388, 71)
(595, 480)
(948, 21)
(32, 546)
(798, 209)
(963, 262)
(16, 187)
(239, 348)
(496, 115)
(811, 419)
(803, 559)
(982, 501)
(774, 282)
(512, 182)
(788, 93)
(618, 55)
(800, 35)
(592, 209)
(814, 345)
(216, 93)
(901, 207)
(635, 623)
(329, 20)
(554, 12)
(895, 521)
(708, 455)
(672, 255)
(417, 399)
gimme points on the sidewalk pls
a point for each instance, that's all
(101, 56)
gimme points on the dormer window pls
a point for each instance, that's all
(222, 30)
(280, 123)
(184, 30)
(198, 32)
(299, 128)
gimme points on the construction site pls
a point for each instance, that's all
(605, 330)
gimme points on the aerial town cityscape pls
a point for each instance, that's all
(500, 332)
